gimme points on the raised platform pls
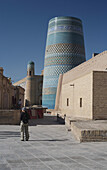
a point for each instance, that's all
(9, 117)
(89, 130)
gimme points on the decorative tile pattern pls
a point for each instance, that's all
(61, 61)
(65, 38)
(65, 20)
(56, 70)
(65, 48)
(65, 28)
(50, 81)
(50, 90)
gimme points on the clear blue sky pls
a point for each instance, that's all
(23, 30)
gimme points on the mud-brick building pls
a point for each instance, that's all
(9, 94)
(82, 91)
(33, 86)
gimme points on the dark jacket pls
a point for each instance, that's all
(22, 116)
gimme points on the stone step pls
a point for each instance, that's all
(90, 131)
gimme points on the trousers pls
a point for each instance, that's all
(24, 131)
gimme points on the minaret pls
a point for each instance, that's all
(30, 85)
(64, 51)
(31, 69)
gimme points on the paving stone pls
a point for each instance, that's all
(15, 161)
(46, 159)
(50, 147)
(4, 167)
(17, 165)
(32, 162)
(39, 167)
(21, 168)
(59, 166)
(65, 160)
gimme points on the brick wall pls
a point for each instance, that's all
(89, 80)
(9, 117)
(100, 95)
(74, 91)
(99, 62)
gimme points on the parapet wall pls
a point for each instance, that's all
(99, 62)
(9, 117)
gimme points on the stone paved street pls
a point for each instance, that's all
(51, 147)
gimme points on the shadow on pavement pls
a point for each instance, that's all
(52, 140)
(47, 120)
(8, 134)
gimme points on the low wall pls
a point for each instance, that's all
(9, 117)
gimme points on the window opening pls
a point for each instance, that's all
(80, 102)
(67, 101)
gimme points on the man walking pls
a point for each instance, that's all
(24, 118)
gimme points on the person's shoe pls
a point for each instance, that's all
(26, 139)
(22, 139)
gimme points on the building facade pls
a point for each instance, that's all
(33, 93)
(82, 91)
(32, 85)
(64, 51)
(9, 94)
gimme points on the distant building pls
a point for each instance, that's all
(64, 51)
(9, 94)
(32, 85)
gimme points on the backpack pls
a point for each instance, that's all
(25, 118)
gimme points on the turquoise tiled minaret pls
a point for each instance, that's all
(64, 51)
